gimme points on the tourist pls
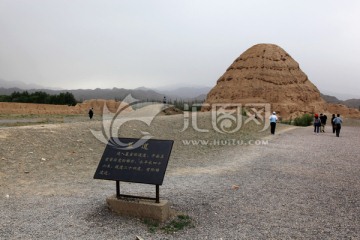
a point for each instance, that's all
(273, 120)
(91, 113)
(323, 119)
(317, 124)
(338, 121)
(332, 123)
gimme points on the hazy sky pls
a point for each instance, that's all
(116, 43)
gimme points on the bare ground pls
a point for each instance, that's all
(299, 185)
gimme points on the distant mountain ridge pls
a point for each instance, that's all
(192, 93)
(185, 92)
(147, 94)
(143, 94)
(18, 84)
(352, 103)
(86, 94)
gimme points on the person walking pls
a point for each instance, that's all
(317, 124)
(338, 121)
(332, 123)
(323, 119)
(273, 119)
(91, 113)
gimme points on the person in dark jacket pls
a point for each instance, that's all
(317, 124)
(323, 119)
(332, 123)
(91, 113)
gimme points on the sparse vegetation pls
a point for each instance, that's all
(152, 225)
(305, 120)
(179, 223)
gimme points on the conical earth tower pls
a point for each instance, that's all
(265, 73)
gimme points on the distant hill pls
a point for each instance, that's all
(116, 93)
(352, 103)
(18, 84)
(340, 95)
(86, 94)
(143, 94)
(147, 94)
(330, 99)
(185, 92)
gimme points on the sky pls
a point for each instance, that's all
(160, 43)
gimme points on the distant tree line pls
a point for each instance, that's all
(188, 105)
(184, 105)
(66, 98)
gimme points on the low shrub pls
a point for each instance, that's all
(305, 120)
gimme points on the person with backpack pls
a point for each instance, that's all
(317, 124)
(323, 119)
(337, 121)
(332, 123)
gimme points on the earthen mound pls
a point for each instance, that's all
(265, 73)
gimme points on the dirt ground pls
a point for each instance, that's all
(46, 171)
(48, 159)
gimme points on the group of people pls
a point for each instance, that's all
(320, 122)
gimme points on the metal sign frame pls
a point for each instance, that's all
(145, 163)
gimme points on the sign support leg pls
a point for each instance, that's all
(157, 194)
(117, 189)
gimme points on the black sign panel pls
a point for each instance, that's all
(146, 163)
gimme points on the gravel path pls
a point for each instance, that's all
(299, 185)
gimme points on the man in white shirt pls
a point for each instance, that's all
(273, 120)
